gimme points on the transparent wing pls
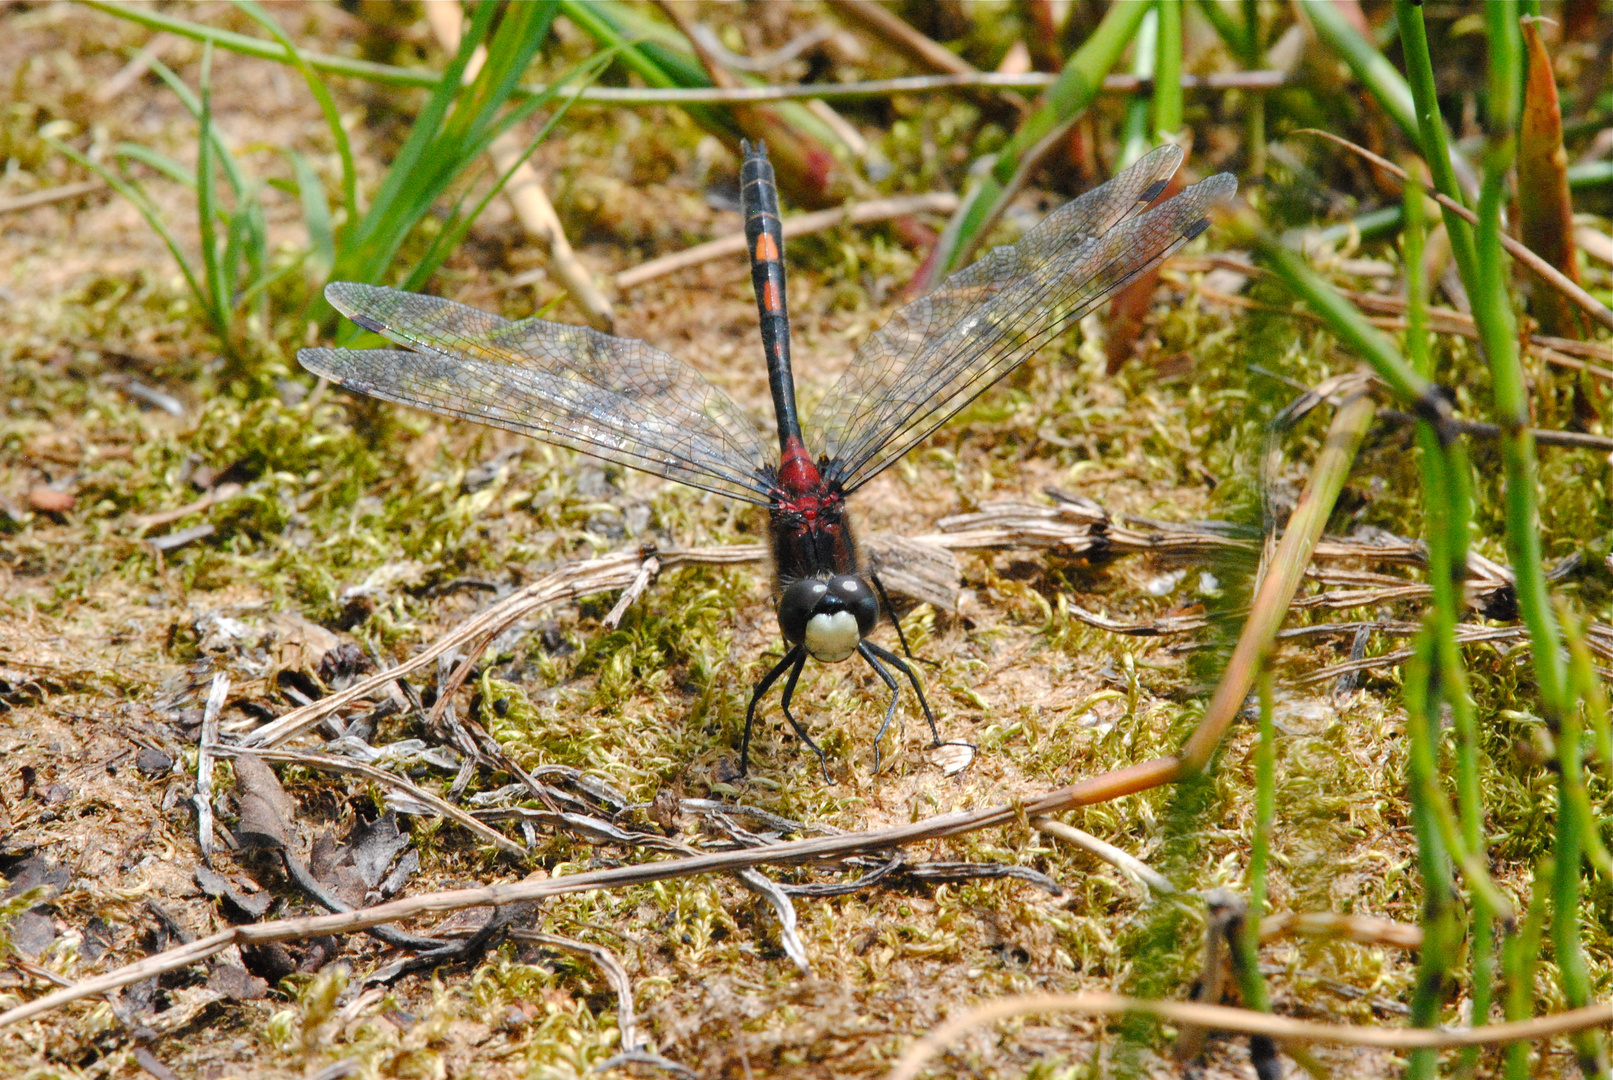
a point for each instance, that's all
(938, 353)
(615, 398)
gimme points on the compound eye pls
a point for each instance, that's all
(853, 592)
(796, 607)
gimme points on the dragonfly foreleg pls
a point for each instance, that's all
(796, 657)
(789, 692)
(890, 609)
(869, 651)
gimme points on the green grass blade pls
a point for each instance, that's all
(659, 68)
(1074, 90)
(327, 106)
(159, 162)
(1369, 65)
(218, 289)
(315, 211)
(1505, 69)
(137, 198)
(1168, 72)
(416, 177)
(1345, 320)
(1430, 133)
(246, 45)
(458, 225)
(1134, 140)
(517, 39)
(193, 103)
(1225, 26)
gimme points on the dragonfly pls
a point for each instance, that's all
(626, 402)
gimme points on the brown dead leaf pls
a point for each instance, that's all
(1545, 211)
(266, 810)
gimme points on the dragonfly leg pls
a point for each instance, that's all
(796, 657)
(890, 609)
(789, 692)
(868, 650)
(907, 669)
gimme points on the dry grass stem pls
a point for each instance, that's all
(860, 213)
(1225, 1018)
(1282, 578)
(1123, 861)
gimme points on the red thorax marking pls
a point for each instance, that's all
(798, 477)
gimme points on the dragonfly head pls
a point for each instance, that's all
(830, 616)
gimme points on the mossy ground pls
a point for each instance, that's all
(339, 492)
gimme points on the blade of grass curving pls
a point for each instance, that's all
(1369, 65)
(442, 145)
(396, 207)
(327, 106)
(246, 45)
(1168, 72)
(135, 194)
(1225, 26)
(193, 103)
(315, 212)
(1342, 317)
(157, 161)
(1074, 90)
(655, 65)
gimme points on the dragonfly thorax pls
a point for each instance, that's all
(828, 615)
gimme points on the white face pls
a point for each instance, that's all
(832, 638)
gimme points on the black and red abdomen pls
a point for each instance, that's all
(764, 238)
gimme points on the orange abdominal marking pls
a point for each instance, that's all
(766, 250)
(771, 298)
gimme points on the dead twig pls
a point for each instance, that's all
(49, 195)
(789, 937)
(1361, 929)
(940, 202)
(610, 967)
(207, 745)
(647, 570)
(1112, 785)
